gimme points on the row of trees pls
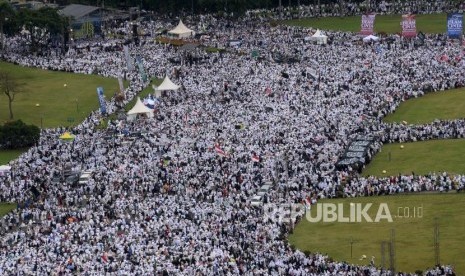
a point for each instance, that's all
(41, 27)
(200, 6)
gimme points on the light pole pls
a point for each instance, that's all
(77, 106)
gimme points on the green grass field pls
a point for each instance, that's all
(426, 23)
(446, 105)
(59, 105)
(413, 235)
(8, 155)
(419, 157)
(5, 208)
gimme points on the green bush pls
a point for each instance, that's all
(16, 134)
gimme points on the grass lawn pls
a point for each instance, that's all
(8, 155)
(6, 208)
(445, 105)
(59, 105)
(427, 23)
(419, 157)
(413, 234)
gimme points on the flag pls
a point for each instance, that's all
(101, 99)
(409, 27)
(454, 25)
(268, 91)
(121, 86)
(255, 158)
(220, 151)
(307, 203)
(368, 21)
(128, 58)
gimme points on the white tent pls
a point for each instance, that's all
(181, 31)
(4, 169)
(319, 37)
(139, 108)
(370, 38)
(166, 85)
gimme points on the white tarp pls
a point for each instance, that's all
(370, 38)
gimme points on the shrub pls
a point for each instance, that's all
(16, 134)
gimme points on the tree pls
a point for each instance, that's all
(16, 134)
(42, 25)
(10, 87)
(6, 13)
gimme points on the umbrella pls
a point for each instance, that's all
(67, 136)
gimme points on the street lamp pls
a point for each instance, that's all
(77, 106)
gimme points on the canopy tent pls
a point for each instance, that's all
(370, 38)
(139, 108)
(181, 31)
(166, 85)
(4, 169)
(67, 136)
(319, 37)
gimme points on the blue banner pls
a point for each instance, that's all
(454, 25)
(101, 99)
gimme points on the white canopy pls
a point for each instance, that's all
(4, 169)
(370, 38)
(181, 31)
(139, 108)
(167, 84)
(319, 37)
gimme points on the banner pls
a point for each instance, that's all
(409, 27)
(121, 86)
(140, 65)
(128, 58)
(101, 99)
(368, 22)
(454, 25)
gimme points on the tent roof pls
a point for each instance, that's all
(77, 11)
(139, 107)
(167, 84)
(180, 29)
(318, 34)
(66, 136)
(5, 168)
(370, 37)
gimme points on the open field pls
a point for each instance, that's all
(58, 105)
(6, 208)
(426, 23)
(413, 234)
(419, 157)
(8, 155)
(445, 105)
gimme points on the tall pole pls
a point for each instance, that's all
(280, 10)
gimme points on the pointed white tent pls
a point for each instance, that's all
(319, 37)
(181, 31)
(139, 108)
(166, 85)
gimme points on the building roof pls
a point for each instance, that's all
(77, 11)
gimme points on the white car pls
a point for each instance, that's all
(256, 200)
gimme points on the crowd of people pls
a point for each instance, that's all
(171, 195)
